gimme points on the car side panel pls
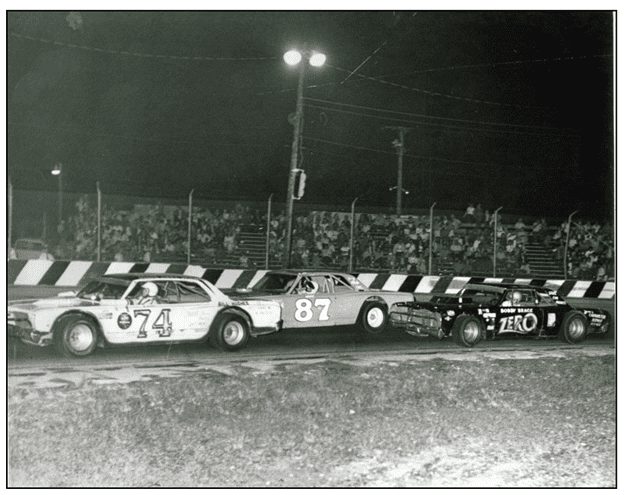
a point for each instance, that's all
(520, 320)
(159, 322)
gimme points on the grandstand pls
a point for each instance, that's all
(235, 236)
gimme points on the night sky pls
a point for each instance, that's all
(504, 108)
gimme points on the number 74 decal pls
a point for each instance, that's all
(303, 309)
(162, 323)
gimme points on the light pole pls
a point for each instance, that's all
(293, 58)
(57, 171)
(495, 240)
(352, 234)
(567, 241)
(399, 146)
(431, 237)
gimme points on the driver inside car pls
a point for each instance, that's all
(148, 294)
(308, 287)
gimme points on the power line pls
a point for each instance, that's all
(433, 117)
(158, 139)
(437, 125)
(134, 53)
(496, 64)
(435, 93)
(313, 151)
(421, 157)
(364, 61)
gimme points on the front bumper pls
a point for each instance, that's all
(267, 330)
(418, 322)
(28, 335)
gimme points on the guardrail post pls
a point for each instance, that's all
(565, 249)
(190, 220)
(352, 234)
(268, 233)
(99, 221)
(495, 240)
(431, 237)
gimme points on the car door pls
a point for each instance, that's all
(303, 308)
(182, 310)
(519, 312)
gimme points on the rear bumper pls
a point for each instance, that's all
(419, 322)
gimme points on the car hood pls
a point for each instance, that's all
(49, 303)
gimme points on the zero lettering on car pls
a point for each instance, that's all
(529, 322)
(519, 323)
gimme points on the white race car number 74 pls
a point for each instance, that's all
(303, 309)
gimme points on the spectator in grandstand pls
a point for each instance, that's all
(469, 215)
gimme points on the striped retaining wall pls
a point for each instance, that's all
(76, 273)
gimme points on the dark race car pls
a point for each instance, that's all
(483, 311)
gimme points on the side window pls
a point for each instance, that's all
(341, 285)
(190, 292)
(169, 291)
(520, 297)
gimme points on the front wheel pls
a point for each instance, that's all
(467, 330)
(230, 333)
(75, 336)
(373, 318)
(573, 327)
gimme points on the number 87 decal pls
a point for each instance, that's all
(303, 309)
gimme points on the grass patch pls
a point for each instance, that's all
(542, 422)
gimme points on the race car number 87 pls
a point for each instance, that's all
(303, 309)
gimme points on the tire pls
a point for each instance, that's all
(230, 332)
(467, 330)
(373, 318)
(75, 336)
(573, 327)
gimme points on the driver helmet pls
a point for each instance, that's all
(516, 297)
(312, 286)
(151, 288)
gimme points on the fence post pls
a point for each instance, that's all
(431, 236)
(352, 234)
(565, 249)
(99, 221)
(495, 240)
(268, 233)
(190, 219)
(10, 218)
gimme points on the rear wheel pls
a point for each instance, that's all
(467, 330)
(230, 333)
(75, 336)
(373, 318)
(573, 327)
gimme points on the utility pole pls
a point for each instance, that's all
(399, 146)
(294, 160)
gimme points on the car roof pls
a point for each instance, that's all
(501, 287)
(137, 276)
(305, 272)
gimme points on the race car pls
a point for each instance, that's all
(138, 308)
(326, 299)
(486, 310)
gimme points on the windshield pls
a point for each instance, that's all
(276, 283)
(482, 295)
(99, 289)
(352, 281)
